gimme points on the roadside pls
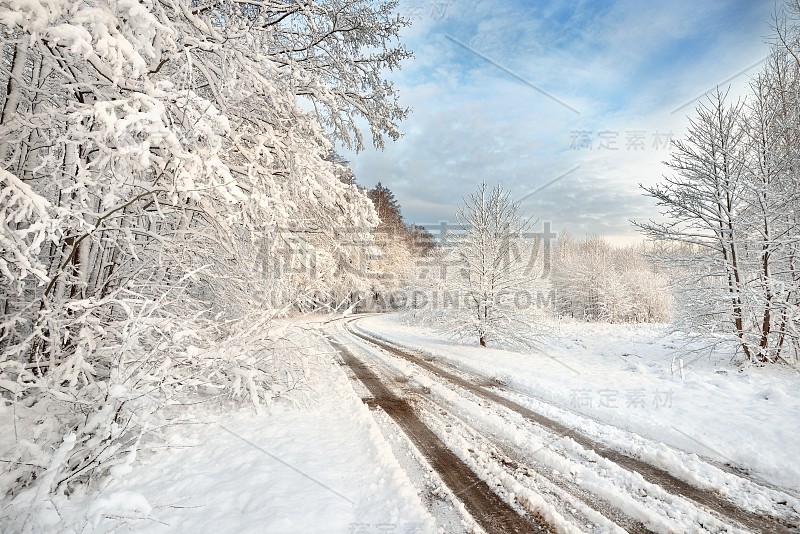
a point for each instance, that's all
(620, 375)
(321, 466)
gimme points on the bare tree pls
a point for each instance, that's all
(734, 200)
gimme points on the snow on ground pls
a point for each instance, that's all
(323, 467)
(564, 460)
(621, 375)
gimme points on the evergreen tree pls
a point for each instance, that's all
(387, 206)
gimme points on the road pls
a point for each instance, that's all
(503, 467)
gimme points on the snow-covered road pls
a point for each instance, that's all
(553, 471)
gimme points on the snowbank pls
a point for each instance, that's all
(322, 467)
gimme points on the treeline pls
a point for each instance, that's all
(495, 279)
(400, 245)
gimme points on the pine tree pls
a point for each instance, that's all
(388, 207)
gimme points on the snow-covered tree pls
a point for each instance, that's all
(163, 195)
(595, 281)
(734, 201)
(488, 272)
(705, 200)
(422, 241)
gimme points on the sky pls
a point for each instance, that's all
(568, 105)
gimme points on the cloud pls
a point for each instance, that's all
(624, 65)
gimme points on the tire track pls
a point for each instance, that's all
(492, 513)
(510, 457)
(570, 498)
(652, 474)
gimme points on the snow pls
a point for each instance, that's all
(323, 466)
(450, 513)
(557, 460)
(327, 466)
(613, 381)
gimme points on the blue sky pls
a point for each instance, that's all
(622, 77)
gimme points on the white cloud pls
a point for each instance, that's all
(625, 67)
